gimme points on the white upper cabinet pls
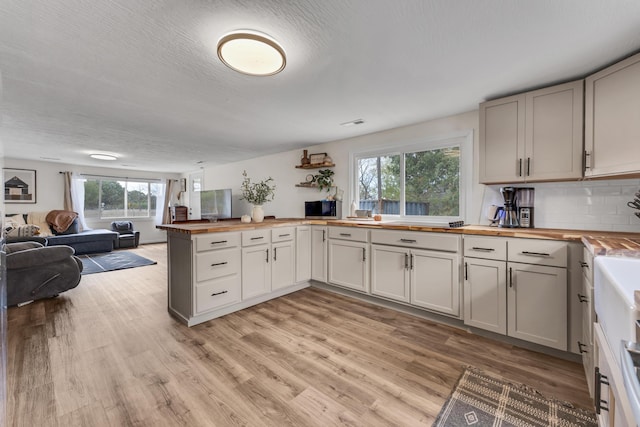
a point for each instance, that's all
(534, 136)
(612, 120)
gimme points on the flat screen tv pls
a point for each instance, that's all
(215, 204)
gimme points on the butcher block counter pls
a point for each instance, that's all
(598, 242)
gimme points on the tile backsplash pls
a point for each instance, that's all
(583, 205)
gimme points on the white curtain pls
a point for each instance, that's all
(161, 203)
(166, 216)
(77, 199)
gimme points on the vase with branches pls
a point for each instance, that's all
(257, 193)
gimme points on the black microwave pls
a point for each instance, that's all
(323, 209)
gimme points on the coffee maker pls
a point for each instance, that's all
(509, 218)
(524, 199)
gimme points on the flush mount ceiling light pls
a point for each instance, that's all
(103, 156)
(251, 52)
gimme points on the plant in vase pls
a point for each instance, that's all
(257, 193)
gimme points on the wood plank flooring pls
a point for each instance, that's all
(108, 354)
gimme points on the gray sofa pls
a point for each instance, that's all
(83, 242)
(35, 271)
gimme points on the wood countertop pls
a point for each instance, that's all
(598, 242)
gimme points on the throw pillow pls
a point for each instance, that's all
(40, 219)
(27, 230)
(74, 228)
(15, 220)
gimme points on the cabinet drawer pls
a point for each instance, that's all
(218, 293)
(210, 265)
(207, 242)
(417, 239)
(485, 247)
(349, 233)
(256, 237)
(541, 252)
(282, 234)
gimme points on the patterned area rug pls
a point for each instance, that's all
(481, 400)
(117, 260)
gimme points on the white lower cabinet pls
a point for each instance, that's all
(421, 277)
(485, 294)
(319, 256)
(256, 271)
(435, 281)
(349, 264)
(390, 272)
(303, 253)
(537, 304)
(283, 265)
(527, 301)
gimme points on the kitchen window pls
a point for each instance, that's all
(426, 181)
(111, 198)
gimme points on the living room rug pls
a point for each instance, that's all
(481, 400)
(117, 260)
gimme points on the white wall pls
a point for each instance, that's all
(289, 200)
(50, 192)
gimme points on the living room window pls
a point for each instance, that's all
(107, 198)
(426, 181)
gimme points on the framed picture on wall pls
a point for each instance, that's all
(19, 185)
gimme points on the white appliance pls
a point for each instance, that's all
(616, 280)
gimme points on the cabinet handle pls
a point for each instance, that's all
(510, 277)
(519, 167)
(406, 261)
(528, 166)
(345, 234)
(587, 160)
(584, 264)
(408, 241)
(275, 254)
(466, 271)
(284, 235)
(364, 254)
(535, 253)
(582, 298)
(219, 242)
(323, 236)
(257, 238)
(476, 248)
(218, 293)
(267, 256)
(580, 345)
(597, 394)
(219, 263)
(411, 262)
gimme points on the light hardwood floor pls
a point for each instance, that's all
(108, 353)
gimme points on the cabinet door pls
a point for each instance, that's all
(537, 304)
(349, 264)
(319, 254)
(303, 253)
(390, 272)
(282, 265)
(256, 271)
(485, 294)
(612, 128)
(435, 281)
(502, 140)
(553, 133)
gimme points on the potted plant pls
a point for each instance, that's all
(257, 193)
(324, 179)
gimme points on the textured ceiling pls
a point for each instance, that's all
(141, 79)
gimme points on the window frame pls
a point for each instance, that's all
(463, 139)
(149, 182)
